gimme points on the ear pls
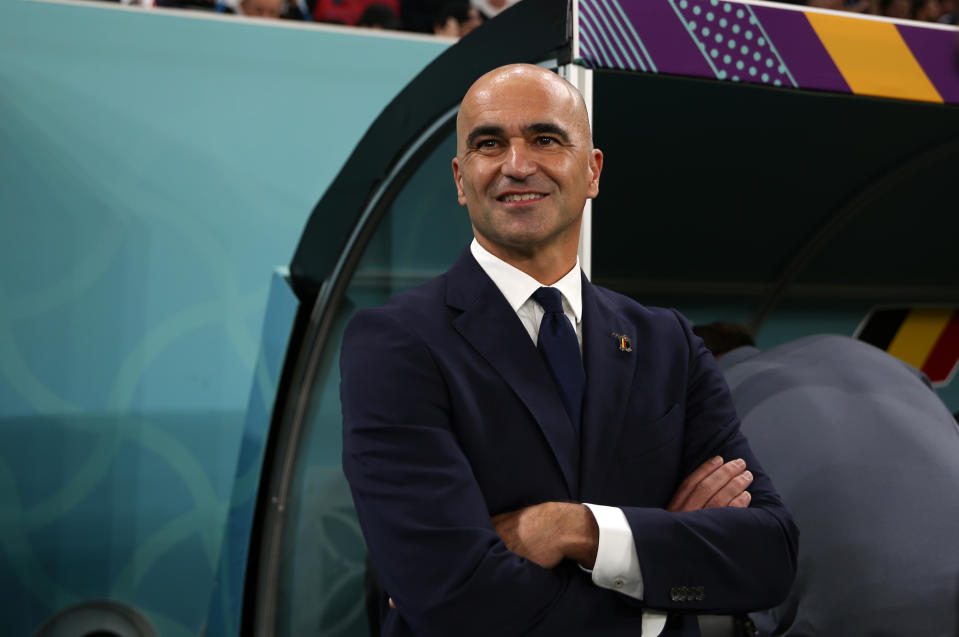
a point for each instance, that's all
(595, 168)
(458, 180)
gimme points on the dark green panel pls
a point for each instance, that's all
(719, 185)
(909, 236)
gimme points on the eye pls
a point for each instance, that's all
(486, 144)
(546, 140)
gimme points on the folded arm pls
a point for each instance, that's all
(716, 559)
(724, 543)
(424, 517)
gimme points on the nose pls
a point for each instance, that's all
(519, 162)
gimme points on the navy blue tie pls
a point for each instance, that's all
(559, 346)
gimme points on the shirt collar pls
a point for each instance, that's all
(517, 286)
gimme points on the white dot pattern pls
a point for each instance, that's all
(735, 55)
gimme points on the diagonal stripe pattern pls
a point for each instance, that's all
(925, 337)
(873, 57)
(766, 44)
(733, 41)
(607, 37)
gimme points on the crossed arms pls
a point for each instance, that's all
(550, 532)
(453, 570)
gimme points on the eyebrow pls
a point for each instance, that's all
(484, 131)
(538, 128)
(547, 127)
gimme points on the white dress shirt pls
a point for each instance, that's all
(617, 564)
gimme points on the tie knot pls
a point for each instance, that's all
(549, 299)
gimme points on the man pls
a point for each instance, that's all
(867, 459)
(482, 408)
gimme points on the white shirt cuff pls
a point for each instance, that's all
(617, 564)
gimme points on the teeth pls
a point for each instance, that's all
(524, 197)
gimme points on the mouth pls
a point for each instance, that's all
(521, 197)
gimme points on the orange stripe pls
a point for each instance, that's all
(918, 334)
(873, 57)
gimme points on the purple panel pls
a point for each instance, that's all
(937, 51)
(734, 41)
(801, 49)
(666, 38)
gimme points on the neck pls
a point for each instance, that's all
(546, 266)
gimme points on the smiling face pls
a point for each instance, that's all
(525, 164)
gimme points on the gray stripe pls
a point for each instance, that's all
(627, 37)
(586, 29)
(586, 38)
(617, 33)
(772, 47)
(699, 44)
(639, 41)
(586, 12)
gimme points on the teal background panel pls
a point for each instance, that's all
(155, 166)
(226, 600)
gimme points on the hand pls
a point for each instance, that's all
(547, 533)
(714, 484)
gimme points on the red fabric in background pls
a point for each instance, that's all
(348, 11)
(945, 353)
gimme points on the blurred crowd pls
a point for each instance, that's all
(456, 18)
(943, 11)
(452, 18)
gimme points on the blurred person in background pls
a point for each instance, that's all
(418, 15)
(261, 8)
(896, 9)
(950, 12)
(379, 16)
(349, 12)
(834, 5)
(927, 10)
(922, 10)
(456, 19)
(268, 9)
(491, 8)
(855, 6)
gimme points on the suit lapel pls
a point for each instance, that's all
(491, 326)
(609, 376)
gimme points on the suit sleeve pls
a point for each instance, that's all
(725, 560)
(425, 521)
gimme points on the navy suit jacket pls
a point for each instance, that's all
(447, 406)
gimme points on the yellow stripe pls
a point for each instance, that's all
(918, 334)
(873, 57)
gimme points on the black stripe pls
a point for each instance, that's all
(882, 327)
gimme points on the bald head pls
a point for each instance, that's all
(525, 166)
(499, 87)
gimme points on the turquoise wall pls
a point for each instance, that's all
(155, 167)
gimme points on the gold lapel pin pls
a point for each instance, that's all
(623, 341)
